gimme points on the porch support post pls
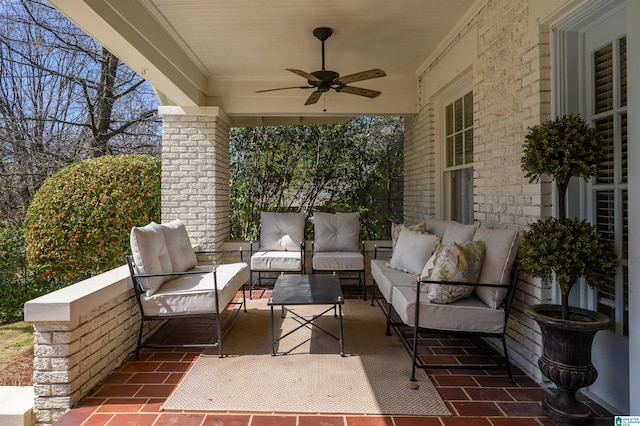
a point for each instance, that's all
(195, 172)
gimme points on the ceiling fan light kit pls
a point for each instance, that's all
(325, 80)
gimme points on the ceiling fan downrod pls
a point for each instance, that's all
(322, 34)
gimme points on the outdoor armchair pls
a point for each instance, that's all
(280, 248)
(336, 245)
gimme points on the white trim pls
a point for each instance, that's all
(455, 32)
(457, 88)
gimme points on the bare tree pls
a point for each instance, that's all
(63, 98)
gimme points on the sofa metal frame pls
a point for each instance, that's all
(473, 336)
(137, 286)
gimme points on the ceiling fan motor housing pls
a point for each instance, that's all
(325, 75)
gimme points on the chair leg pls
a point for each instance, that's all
(414, 354)
(506, 359)
(373, 295)
(244, 297)
(362, 275)
(137, 355)
(388, 332)
(251, 284)
(219, 331)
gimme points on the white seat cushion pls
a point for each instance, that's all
(150, 255)
(469, 314)
(194, 294)
(276, 261)
(386, 278)
(281, 231)
(179, 246)
(338, 261)
(336, 232)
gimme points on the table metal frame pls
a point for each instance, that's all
(315, 289)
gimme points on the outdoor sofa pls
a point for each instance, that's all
(448, 277)
(169, 283)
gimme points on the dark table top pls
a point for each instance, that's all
(297, 289)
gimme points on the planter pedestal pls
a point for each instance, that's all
(566, 358)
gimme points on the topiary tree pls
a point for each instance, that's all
(565, 247)
(79, 221)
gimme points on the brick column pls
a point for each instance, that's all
(195, 172)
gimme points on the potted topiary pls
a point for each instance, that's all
(566, 249)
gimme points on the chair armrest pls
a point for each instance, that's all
(221, 251)
(376, 248)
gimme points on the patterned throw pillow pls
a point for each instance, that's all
(455, 262)
(397, 227)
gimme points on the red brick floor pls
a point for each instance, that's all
(134, 394)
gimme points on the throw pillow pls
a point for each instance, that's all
(397, 227)
(179, 246)
(455, 262)
(412, 251)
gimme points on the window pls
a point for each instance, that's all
(609, 205)
(458, 171)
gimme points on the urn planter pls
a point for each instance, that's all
(566, 358)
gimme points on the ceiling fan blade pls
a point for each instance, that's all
(305, 74)
(313, 98)
(359, 76)
(358, 91)
(285, 88)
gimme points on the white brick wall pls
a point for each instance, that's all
(195, 174)
(511, 87)
(82, 333)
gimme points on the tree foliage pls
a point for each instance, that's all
(355, 166)
(567, 250)
(63, 98)
(78, 223)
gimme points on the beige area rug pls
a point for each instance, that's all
(373, 377)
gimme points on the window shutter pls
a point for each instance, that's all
(603, 75)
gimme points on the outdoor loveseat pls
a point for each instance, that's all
(452, 278)
(169, 283)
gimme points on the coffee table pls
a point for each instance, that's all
(298, 289)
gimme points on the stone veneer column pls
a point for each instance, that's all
(195, 172)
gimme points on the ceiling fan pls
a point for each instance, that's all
(325, 80)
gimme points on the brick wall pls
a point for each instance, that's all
(195, 173)
(511, 83)
(82, 333)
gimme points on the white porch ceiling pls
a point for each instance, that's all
(219, 52)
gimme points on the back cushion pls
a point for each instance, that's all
(179, 246)
(281, 231)
(501, 248)
(150, 255)
(451, 231)
(336, 232)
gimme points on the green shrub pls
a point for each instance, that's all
(12, 250)
(79, 221)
